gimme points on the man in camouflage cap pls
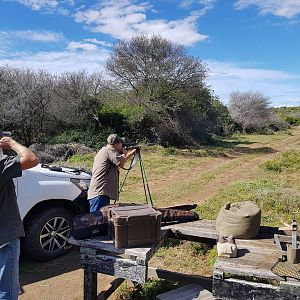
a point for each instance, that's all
(105, 175)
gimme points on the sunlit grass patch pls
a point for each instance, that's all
(277, 201)
(262, 138)
(84, 161)
(286, 161)
(190, 257)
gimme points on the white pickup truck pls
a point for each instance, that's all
(48, 198)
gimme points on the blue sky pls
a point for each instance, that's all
(248, 45)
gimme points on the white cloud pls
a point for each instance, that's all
(186, 3)
(83, 46)
(208, 4)
(48, 6)
(63, 11)
(123, 19)
(38, 36)
(4, 42)
(40, 4)
(226, 77)
(58, 62)
(282, 8)
(97, 42)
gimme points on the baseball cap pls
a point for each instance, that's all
(114, 139)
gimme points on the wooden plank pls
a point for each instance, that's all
(205, 282)
(234, 267)
(263, 246)
(104, 243)
(201, 229)
(235, 289)
(143, 254)
(207, 229)
(118, 267)
(255, 259)
(90, 285)
(290, 287)
(188, 292)
(98, 242)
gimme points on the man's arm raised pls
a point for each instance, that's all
(27, 158)
(127, 155)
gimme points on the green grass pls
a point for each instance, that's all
(263, 138)
(190, 257)
(147, 291)
(276, 198)
(287, 161)
(176, 182)
(84, 161)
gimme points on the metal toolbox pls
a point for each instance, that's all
(134, 225)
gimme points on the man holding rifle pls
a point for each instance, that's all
(105, 175)
(11, 227)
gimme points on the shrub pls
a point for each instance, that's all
(88, 138)
(292, 120)
(169, 151)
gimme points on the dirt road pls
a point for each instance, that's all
(236, 165)
(60, 279)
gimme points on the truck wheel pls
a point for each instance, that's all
(47, 233)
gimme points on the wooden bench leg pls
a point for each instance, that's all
(90, 285)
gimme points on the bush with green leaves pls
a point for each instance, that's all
(91, 139)
(292, 120)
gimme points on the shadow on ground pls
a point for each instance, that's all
(249, 150)
(32, 271)
(233, 142)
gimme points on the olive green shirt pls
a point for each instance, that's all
(105, 174)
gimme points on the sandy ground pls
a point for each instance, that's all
(59, 279)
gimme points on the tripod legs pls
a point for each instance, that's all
(145, 182)
(144, 178)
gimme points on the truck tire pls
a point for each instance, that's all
(47, 233)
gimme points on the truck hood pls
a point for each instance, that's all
(60, 172)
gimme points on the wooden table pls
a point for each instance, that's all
(98, 255)
(248, 276)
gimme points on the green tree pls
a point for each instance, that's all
(154, 68)
(160, 77)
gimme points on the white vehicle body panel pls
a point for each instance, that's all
(41, 184)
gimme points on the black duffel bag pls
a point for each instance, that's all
(89, 225)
